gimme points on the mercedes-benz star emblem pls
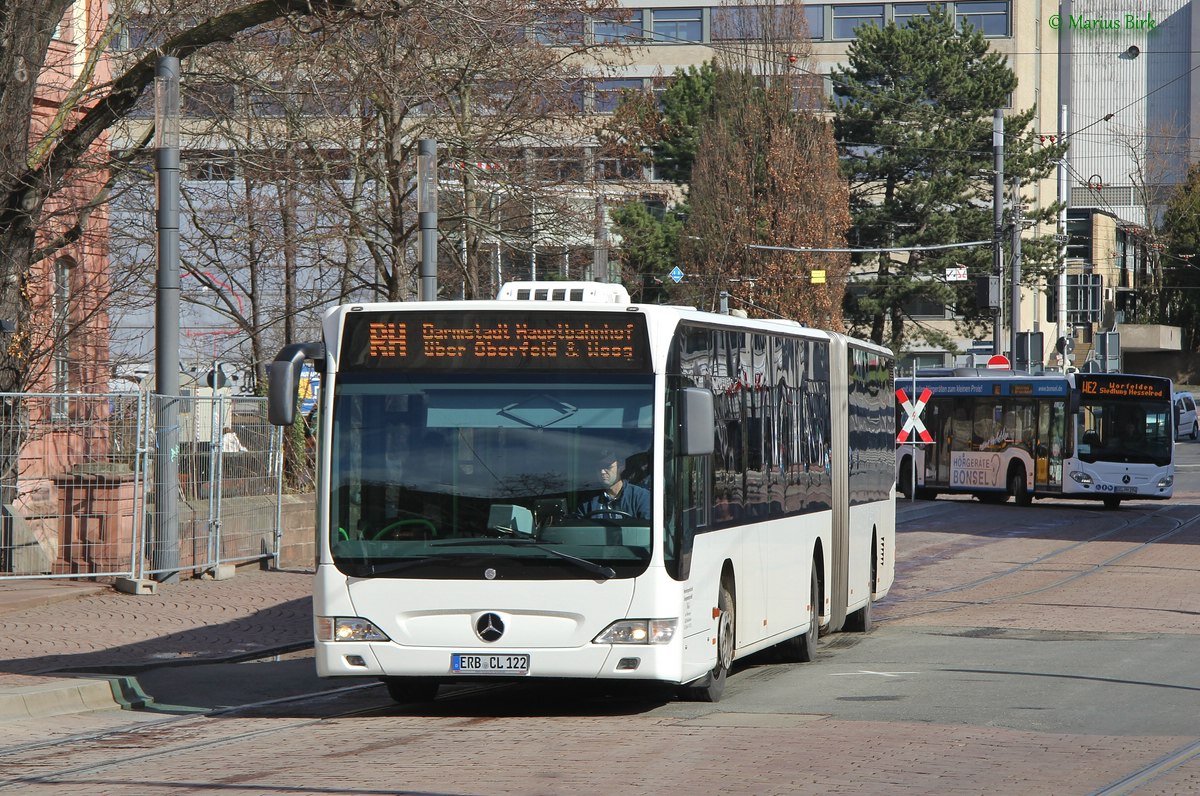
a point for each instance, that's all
(1125, 479)
(489, 627)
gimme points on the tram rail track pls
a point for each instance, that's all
(892, 608)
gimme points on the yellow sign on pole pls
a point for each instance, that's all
(817, 277)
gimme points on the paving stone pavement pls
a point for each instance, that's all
(52, 632)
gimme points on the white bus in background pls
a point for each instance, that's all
(458, 443)
(1000, 433)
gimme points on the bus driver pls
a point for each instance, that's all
(618, 499)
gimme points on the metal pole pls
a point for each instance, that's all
(1015, 287)
(1061, 300)
(998, 219)
(600, 251)
(166, 324)
(912, 461)
(427, 216)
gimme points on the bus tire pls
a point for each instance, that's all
(411, 689)
(1112, 502)
(711, 686)
(803, 648)
(1016, 485)
(906, 479)
(860, 621)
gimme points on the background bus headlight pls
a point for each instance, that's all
(1166, 481)
(1081, 477)
(639, 631)
(347, 628)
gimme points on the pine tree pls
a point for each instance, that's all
(1181, 228)
(914, 121)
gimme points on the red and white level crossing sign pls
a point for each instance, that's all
(912, 420)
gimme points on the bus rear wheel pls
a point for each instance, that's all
(711, 687)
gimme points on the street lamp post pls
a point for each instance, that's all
(165, 555)
(427, 216)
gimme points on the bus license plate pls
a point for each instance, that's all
(1126, 490)
(472, 663)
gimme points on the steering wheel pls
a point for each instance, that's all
(427, 527)
(618, 512)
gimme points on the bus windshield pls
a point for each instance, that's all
(1125, 431)
(459, 475)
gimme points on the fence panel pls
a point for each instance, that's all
(78, 491)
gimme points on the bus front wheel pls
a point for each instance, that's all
(711, 687)
(906, 479)
(803, 648)
(860, 621)
(1016, 485)
(411, 689)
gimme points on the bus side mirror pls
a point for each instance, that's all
(697, 421)
(283, 380)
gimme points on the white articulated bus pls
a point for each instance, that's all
(1000, 433)
(459, 456)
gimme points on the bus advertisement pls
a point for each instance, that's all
(998, 434)
(541, 487)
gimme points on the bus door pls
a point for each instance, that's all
(1048, 450)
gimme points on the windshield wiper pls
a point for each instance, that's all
(367, 570)
(600, 570)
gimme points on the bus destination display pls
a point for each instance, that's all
(490, 340)
(1122, 386)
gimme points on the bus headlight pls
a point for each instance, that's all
(638, 631)
(347, 628)
(1166, 481)
(1081, 477)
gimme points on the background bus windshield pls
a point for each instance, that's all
(450, 477)
(1123, 430)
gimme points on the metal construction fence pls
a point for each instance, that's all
(79, 496)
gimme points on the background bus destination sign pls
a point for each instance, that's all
(1121, 386)
(492, 340)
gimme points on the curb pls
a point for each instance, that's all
(56, 699)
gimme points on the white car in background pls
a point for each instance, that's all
(1185, 415)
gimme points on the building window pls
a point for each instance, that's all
(618, 27)
(607, 93)
(846, 19)
(990, 18)
(924, 307)
(815, 17)
(61, 305)
(1083, 298)
(205, 166)
(677, 25)
(609, 168)
(904, 13)
(559, 30)
(737, 22)
(207, 101)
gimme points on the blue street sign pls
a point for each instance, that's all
(676, 274)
